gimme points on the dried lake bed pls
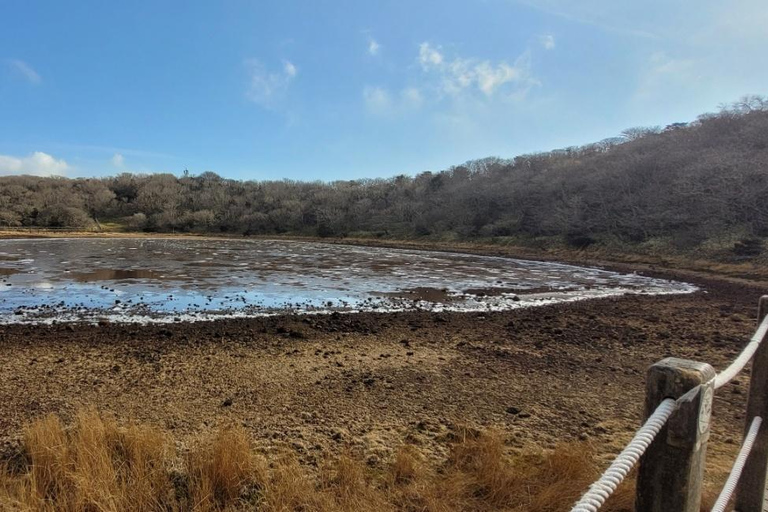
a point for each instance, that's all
(186, 279)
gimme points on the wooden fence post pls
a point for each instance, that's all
(671, 470)
(750, 493)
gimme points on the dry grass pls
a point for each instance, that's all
(97, 465)
(94, 466)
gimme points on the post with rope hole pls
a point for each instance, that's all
(671, 470)
(750, 492)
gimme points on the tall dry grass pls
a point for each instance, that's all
(96, 465)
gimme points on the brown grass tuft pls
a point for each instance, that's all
(95, 466)
(224, 472)
(99, 466)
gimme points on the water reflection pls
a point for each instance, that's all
(116, 274)
(128, 279)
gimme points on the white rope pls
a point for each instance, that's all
(599, 492)
(740, 362)
(738, 466)
(595, 497)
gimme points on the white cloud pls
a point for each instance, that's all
(411, 97)
(37, 164)
(381, 102)
(26, 71)
(290, 69)
(118, 160)
(265, 87)
(664, 76)
(460, 74)
(429, 56)
(377, 100)
(490, 78)
(373, 47)
(548, 41)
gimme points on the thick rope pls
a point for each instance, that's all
(740, 362)
(599, 492)
(595, 497)
(738, 466)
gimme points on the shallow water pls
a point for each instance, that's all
(161, 280)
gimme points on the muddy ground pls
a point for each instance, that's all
(370, 382)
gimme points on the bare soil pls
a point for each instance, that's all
(369, 382)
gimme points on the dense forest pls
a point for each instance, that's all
(688, 186)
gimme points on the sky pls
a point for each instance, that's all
(347, 89)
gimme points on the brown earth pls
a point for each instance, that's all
(368, 383)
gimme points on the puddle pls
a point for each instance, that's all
(165, 280)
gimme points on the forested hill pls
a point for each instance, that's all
(702, 186)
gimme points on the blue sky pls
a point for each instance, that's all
(349, 89)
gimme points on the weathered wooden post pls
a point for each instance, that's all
(750, 493)
(671, 470)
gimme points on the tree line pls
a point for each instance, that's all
(682, 187)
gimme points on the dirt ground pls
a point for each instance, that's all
(370, 382)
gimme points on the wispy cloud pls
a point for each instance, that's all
(290, 69)
(37, 164)
(664, 76)
(266, 87)
(381, 102)
(111, 149)
(411, 97)
(118, 160)
(373, 47)
(25, 70)
(548, 41)
(429, 56)
(377, 100)
(739, 20)
(459, 74)
(595, 13)
(465, 80)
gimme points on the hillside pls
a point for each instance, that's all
(699, 186)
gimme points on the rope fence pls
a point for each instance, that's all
(744, 357)
(671, 444)
(738, 467)
(623, 464)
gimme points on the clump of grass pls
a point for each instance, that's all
(224, 472)
(93, 466)
(479, 475)
(98, 465)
